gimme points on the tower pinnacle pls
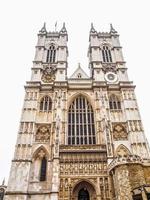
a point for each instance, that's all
(63, 30)
(43, 29)
(92, 30)
(112, 30)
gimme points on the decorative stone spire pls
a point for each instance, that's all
(112, 30)
(63, 30)
(92, 30)
(43, 29)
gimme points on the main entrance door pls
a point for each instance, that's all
(83, 194)
(83, 191)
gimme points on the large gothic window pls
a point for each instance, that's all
(51, 54)
(81, 129)
(106, 54)
(114, 102)
(46, 104)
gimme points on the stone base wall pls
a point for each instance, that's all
(126, 178)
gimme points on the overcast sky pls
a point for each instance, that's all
(20, 22)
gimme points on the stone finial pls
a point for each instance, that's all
(43, 29)
(112, 30)
(92, 30)
(63, 30)
(79, 66)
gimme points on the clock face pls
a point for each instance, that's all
(111, 77)
(48, 75)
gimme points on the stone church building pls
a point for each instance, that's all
(80, 138)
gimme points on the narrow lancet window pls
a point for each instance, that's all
(106, 54)
(43, 169)
(51, 54)
(46, 104)
(114, 102)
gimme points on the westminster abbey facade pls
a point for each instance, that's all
(80, 138)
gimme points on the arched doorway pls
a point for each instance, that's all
(83, 191)
(83, 194)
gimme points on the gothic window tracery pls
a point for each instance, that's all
(46, 104)
(106, 54)
(114, 102)
(42, 134)
(81, 129)
(51, 54)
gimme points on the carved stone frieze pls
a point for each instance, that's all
(119, 131)
(121, 160)
(83, 168)
(109, 68)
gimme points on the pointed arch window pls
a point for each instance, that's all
(51, 54)
(46, 104)
(114, 103)
(43, 169)
(106, 54)
(39, 165)
(81, 129)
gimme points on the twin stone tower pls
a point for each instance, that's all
(80, 138)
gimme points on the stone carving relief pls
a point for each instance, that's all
(82, 168)
(119, 132)
(64, 192)
(122, 151)
(109, 68)
(104, 187)
(42, 134)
